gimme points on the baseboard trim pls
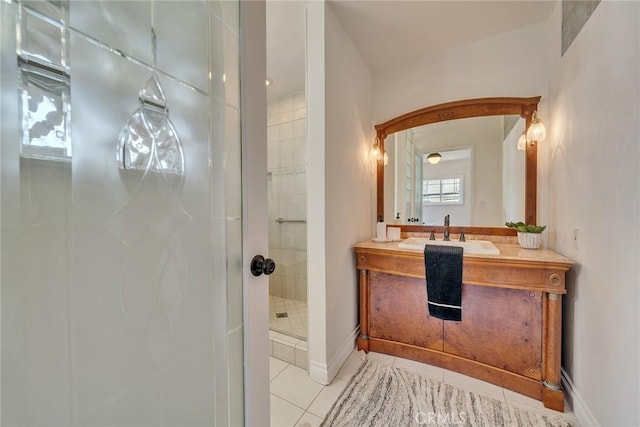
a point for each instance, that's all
(342, 354)
(325, 373)
(318, 372)
(579, 407)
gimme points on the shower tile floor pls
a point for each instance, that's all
(294, 323)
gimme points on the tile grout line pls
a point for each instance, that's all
(279, 373)
(298, 406)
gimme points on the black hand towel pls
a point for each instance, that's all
(443, 265)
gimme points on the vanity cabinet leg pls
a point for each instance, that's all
(363, 338)
(552, 394)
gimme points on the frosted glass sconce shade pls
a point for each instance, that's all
(149, 140)
(537, 131)
(522, 142)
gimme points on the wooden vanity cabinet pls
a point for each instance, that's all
(511, 316)
(394, 316)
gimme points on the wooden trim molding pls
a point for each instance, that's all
(525, 107)
(456, 230)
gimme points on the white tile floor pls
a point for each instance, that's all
(295, 324)
(298, 401)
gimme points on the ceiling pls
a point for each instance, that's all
(285, 47)
(393, 33)
(457, 133)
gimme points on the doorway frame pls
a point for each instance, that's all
(253, 113)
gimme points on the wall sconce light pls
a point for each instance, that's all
(378, 155)
(536, 131)
(522, 142)
(434, 158)
(375, 150)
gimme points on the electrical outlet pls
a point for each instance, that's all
(576, 234)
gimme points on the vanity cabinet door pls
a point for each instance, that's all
(398, 311)
(499, 327)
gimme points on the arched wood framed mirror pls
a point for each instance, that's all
(452, 112)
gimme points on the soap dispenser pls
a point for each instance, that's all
(398, 221)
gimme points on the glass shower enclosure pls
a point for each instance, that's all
(121, 217)
(287, 198)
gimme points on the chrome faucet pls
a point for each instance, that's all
(446, 228)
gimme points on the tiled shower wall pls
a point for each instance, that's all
(287, 192)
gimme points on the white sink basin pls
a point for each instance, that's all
(484, 247)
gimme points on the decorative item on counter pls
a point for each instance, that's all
(529, 236)
(393, 234)
(381, 232)
(398, 220)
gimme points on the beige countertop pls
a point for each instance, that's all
(507, 252)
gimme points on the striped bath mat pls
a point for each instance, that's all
(386, 396)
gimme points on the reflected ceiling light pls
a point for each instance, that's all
(522, 142)
(537, 131)
(268, 82)
(385, 159)
(434, 158)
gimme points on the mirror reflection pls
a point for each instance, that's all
(470, 169)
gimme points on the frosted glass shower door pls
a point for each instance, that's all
(142, 285)
(122, 287)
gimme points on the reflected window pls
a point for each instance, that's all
(44, 82)
(442, 191)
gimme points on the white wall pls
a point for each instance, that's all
(340, 179)
(510, 64)
(349, 133)
(316, 223)
(595, 187)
